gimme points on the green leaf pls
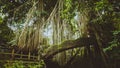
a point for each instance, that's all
(1, 20)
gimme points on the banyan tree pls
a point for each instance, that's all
(67, 33)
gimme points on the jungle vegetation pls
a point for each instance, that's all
(64, 33)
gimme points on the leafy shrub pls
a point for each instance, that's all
(21, 64)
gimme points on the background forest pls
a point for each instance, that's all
(63, 33)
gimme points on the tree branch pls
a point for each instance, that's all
(69, 44)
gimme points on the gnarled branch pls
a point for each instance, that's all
(69, 44)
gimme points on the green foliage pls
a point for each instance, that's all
(6, 33)
(113, 49)
(102, 5)
(21, 64)
(104, 11)
(1, 20)
(110, 16)
(17, 64)
(68, 11)
(38, 65)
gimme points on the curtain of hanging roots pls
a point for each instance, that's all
(31, 36)
(22, 40)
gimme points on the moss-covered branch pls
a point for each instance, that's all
(69, 44)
